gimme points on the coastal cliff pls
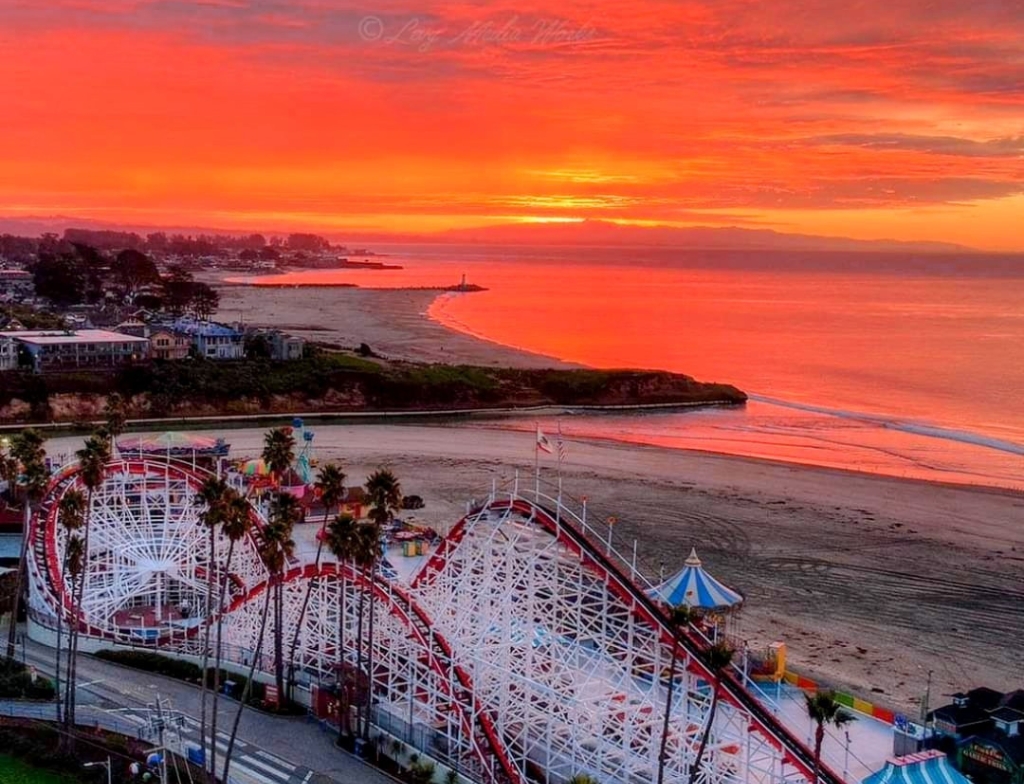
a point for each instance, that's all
(330, 382)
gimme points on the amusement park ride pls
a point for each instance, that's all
(523, 648)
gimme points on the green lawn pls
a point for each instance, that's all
(14, 771)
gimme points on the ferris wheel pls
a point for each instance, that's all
(147, 567)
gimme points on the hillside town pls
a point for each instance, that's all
(99, 300)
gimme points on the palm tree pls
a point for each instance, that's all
(279, 546)
(384, 495)
(114, 413)
(211, 499)
(71, 516)
(680, 619)
(367, 551)
(234, 524)
(74, 563)
(341, 540)
(823, 709)
(91, 461)
(330, 484)
(27, 450)
(719, 657)
(279, 451)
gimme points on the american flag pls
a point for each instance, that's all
(560, 444)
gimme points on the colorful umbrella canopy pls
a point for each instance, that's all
(254, 467)
(172, 443)
(926, 767)
(695, 588)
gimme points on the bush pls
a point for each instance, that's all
(16, 683)
(153, 662)
(412, 502)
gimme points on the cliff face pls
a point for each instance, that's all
(337, 385)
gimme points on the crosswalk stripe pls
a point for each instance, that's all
(285, 774)
(241, 770)
(243, 766)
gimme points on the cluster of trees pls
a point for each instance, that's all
(351, 542)
(83, 273)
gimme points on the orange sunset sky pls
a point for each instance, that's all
(863, 118)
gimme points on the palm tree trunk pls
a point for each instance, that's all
(305, 605)
(695, 769)
(668, 710)
(248, 686)
(279, 640)
(19, 582)
(217, 658)
(204, 674)
(73, 666)
(369, 663)
(343, 701)
(819, 737)
(359, 660)
(56, 669)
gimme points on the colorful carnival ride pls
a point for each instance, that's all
(521, 648)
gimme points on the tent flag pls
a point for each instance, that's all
(694, 587)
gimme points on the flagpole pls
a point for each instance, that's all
(561, 450)
(536, 462)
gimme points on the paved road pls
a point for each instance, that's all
(269, 749)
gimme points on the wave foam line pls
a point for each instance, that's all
(915, 428)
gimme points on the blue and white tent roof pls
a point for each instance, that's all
(926, 767)
(695, 588)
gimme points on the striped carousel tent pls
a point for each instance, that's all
(694, 587)
(925, 767)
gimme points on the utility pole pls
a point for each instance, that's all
(926, 700)
(100, 764)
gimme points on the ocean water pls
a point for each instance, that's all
(907, 365)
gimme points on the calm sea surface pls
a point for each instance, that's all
(896, 364)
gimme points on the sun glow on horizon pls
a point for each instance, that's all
(267, 123)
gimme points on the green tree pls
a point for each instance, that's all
(279, 451)
(279, 546)
(235, 522)
(25, 464)
(582, 778)
(71, 517)
(341, 540)
(212, 500)
(823, 710)
(718, 658)
(330, 485)
(132, 270)
(366, 552)
(91, 462)
(60, 278)
(680, 619)
(384, 495)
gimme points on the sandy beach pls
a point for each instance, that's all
(871, 581)
(392, 322)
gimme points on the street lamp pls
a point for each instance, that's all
(100, 764)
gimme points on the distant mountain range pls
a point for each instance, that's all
(584, 233)
(603, 233)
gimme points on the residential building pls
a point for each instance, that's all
(84, 349)
(16, 284)
(283, 346)
(212, 340)
(166, 344)
(8, 353)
